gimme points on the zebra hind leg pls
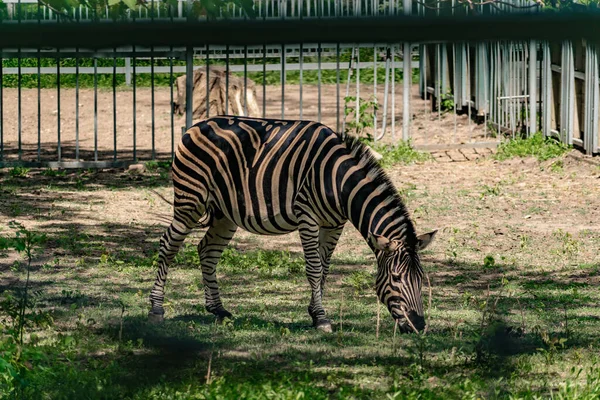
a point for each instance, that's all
(328, 239)
(309, 235)
(210, 249)
(183, 223)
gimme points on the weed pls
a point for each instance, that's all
(402, 153)
(488, 191)
(534, 146)
(447, 102)
(360, 281)
(366, 116)
(16, 307)
(408, 191)
(263, 261)
(54, 172)
(569, 246)
(489, 262)
(19, 172)
(557, 166)
(154, 166)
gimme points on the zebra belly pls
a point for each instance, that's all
(275, 225)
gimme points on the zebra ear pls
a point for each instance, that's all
(382, 243)
(425, 239)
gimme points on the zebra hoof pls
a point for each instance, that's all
(222, 315)
(324, 326)
(155, 318)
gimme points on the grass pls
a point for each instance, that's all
(534, 146)
(402, 153)
(513, 315)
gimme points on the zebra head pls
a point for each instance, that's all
(400, 277)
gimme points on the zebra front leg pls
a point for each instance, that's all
(328, 239)
(210, 249)
(309, 235)
(182, 224)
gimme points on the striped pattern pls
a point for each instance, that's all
(273, 177)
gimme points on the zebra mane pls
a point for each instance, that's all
(365, 158)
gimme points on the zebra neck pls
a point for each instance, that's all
(376, 208)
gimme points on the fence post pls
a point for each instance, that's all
(533, 87)
(567, 93)
(189, 76)
(592, 99)
(128, 71)
(189, 86)
(547, 102)
(407, 78)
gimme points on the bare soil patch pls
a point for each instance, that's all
(96, 125)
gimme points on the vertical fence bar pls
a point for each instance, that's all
(134, 83)
(407, 75)
(319, 78)
(393, 76)
(172, 116)
(591, 106)
(547, 89)
(282, 79)
(264, 82)
(246, 80)
(114, 93)
(39, 106)
(189, 86)
(532, 87)
(152, 96)
(57, 103)
(227, 79)
(300, 61)
(95, 109)
(19, 99)
(1, 109)
(337, 86)
(207, 81)
(357, 116)
(374, 87)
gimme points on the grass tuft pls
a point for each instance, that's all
(534, 146)
(402, 153)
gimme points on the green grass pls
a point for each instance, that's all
(367, 75)
(512, 316)
(402, 153)
(534, 146)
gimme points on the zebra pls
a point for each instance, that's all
(273, 177)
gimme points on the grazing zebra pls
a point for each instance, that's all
(272, 177)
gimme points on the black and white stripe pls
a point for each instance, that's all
(272, 177)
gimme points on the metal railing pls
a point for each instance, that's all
(68, 119)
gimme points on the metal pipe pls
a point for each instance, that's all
(114, 87)
(189, 87)
(134, 82)
(95, 111)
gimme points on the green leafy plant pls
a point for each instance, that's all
(16, 315)
(360, 281)
(366, 116)
(536, 145)
(19, 172)
(402, 153)
(447, 102)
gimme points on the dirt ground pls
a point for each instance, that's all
(427, 127)
(528, 230)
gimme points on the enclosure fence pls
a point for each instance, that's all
(105, 94)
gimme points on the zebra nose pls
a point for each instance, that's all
(417, 320)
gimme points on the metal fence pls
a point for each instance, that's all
(70, 106)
